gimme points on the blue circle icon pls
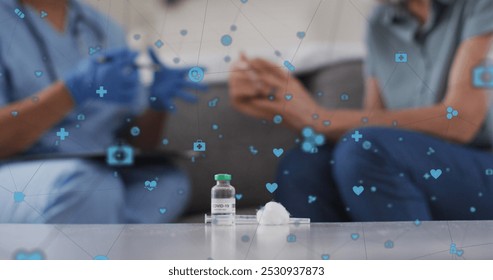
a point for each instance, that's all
(307, 132)
(307, 147)
(135, 131)
(319, 139)
(367, 145)
(196, 74)
(277, 119)
(226, 40)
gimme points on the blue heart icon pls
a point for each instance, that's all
(435, 173)
(38, 73)
(354, 236)
(239, 196)
(150, 185)
(460, 252)
(301, 34)
(14, 113)
(358, 189)
(24, 255)
(288, 96)
(271, 187)
(183, 32)
(278, 152)
(325, 256)
(311, 198)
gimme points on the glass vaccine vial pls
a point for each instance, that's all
(223, 201)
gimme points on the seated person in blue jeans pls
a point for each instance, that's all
(419, 149)
(69, 84)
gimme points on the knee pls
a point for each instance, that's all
(297, 161)
(291, 161)
(289, 174)
(299, 171)
(84, 178)
(85, 193)
(358, 152)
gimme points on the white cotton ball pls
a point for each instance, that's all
(273, 213)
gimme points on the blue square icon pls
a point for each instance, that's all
(120, 155)
(482, 76)
(159, 44)
(291, 238)
(401, 57)
(199, 146)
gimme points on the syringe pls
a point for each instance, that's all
(252, 219)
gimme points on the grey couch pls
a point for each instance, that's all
(228, 146)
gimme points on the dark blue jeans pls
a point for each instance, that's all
(388, 175)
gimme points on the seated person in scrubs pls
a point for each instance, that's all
(69, 84)
(419, 149)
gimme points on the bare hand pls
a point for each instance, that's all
(262, 89)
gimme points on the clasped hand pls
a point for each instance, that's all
(262, 89)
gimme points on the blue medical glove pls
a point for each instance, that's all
(109, 77)
(169, 84)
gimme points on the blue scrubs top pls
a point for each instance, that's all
(422, 80)
(23, 72)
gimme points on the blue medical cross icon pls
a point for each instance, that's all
(62, 133)
(101, 91)
(401, 57)
(356, 136)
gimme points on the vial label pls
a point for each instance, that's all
(223, 206)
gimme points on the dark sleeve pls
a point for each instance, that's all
(478, 18)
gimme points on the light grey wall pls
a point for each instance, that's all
(262, 24)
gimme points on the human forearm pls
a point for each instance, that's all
(23, 122)
(431, 120)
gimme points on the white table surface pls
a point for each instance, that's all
(428, 240)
